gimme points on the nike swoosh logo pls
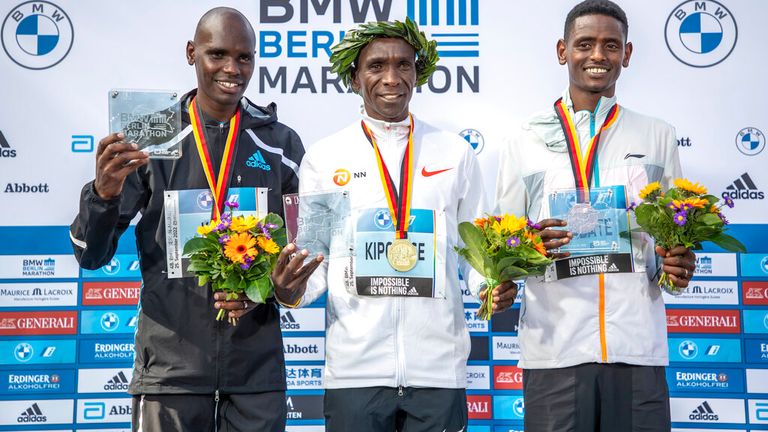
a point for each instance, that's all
(426, 173)
(634, 155)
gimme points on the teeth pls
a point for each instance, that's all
(597, 70)
(228, 84)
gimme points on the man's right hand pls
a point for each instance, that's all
(115, 160)
(555, 238)
(290, 274)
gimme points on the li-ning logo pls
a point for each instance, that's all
(750, 141)
(703, 412)
(257, 161)
(743, 188)
(474, 138)
(458, 17)
(701, 33)
(37, 35)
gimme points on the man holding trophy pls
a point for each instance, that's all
(593, 333)
(192, 372)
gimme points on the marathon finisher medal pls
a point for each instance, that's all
(401, 254)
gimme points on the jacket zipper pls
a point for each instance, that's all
(399, 348)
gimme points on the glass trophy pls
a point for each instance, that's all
(320, 223)
(596, 217)
(149, 118)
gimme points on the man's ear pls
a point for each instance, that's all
(190, 53)
(355, 82)
(560, 47)
(627, 54)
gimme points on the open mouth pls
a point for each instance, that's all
(596, 70)
(229, 85)
(391, 97)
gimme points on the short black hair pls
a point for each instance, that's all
(596, 7)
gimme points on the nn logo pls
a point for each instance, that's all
(257, 161)
(32, 414)
(288, 322)
(5, 148)
(118, 382)
(703, 412)
(743, 188)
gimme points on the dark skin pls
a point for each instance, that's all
(595, 50)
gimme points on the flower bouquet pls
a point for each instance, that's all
(502, 248)
(237, 254)
(684, 215)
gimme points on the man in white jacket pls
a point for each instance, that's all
(593, 334)
(396, 343)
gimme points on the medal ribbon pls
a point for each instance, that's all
(218, 185)
(582, 166)
(399, 204)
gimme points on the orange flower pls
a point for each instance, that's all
(539, 246)
(240, 245)
(267, 245)
(481, 222)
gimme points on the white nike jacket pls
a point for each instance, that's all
(578, 320)
(397, 341)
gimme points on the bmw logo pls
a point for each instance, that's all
(474, 138)
(110, 321)
(688, 349)
(764, 264)
(701, 33)
(519, 407)
(205, 200)
(37, 35)
(750, 141)
(382, 219)
(113, 267)
(23, 352)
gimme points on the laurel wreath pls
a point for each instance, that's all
(345, 53)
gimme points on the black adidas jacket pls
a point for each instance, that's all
(180, 347)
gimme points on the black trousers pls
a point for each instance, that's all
(387, 409)
(200, 413)
(597, 398)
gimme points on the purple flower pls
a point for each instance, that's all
(223, 239)
(498, 218)
(513, 241)
(681, 217)
(532, 224)
(231, 204)
(728, 201)
(265, 229)
(672, 205)
(632, 206)
(248, 259)
(245, 265)
(722, 218)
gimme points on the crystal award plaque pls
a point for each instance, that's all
(322, 224)
(149, 118)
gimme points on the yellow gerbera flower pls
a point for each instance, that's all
(241, 224)
(206, 229)
(713, 209)
(240, 245)
(510, 224)
(696, 202)
(649, 189)
(686, 185)
(267, 245)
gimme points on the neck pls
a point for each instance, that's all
(587, 100)
(222, 113)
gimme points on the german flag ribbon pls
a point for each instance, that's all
(582, 164)
(218, 185)
(399, 203)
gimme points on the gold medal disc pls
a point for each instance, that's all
(402, 255)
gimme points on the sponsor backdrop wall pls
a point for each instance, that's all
(66, 334)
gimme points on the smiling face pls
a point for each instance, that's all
(385, 76)
(223, 56)
(595, 50)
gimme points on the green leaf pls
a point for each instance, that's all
(274, 219)
(196, 244)
(475, 252)
(259, 290)
(196, 266)
(512, 273)
(729, 243)
(280, 237)
(711, 219)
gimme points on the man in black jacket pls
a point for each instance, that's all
(192, 372)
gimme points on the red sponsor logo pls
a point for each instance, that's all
(507, 378)
(479, 407)
(754, 293)
(38, 323)
(111, 293)
(703, 321)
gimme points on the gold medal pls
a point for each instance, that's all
(402, 255)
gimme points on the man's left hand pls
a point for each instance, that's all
(503, 296)
(678, 263)
(237, 307)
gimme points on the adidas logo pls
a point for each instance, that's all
(612, 268)
(118, 382)
(288, 322)
(257, 161)
(32, 414)
(743, 188)
(703, 412)
(5, 148)
(413, 292)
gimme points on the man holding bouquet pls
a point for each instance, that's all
(397, 343)
(192, 372)
(593, 330)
